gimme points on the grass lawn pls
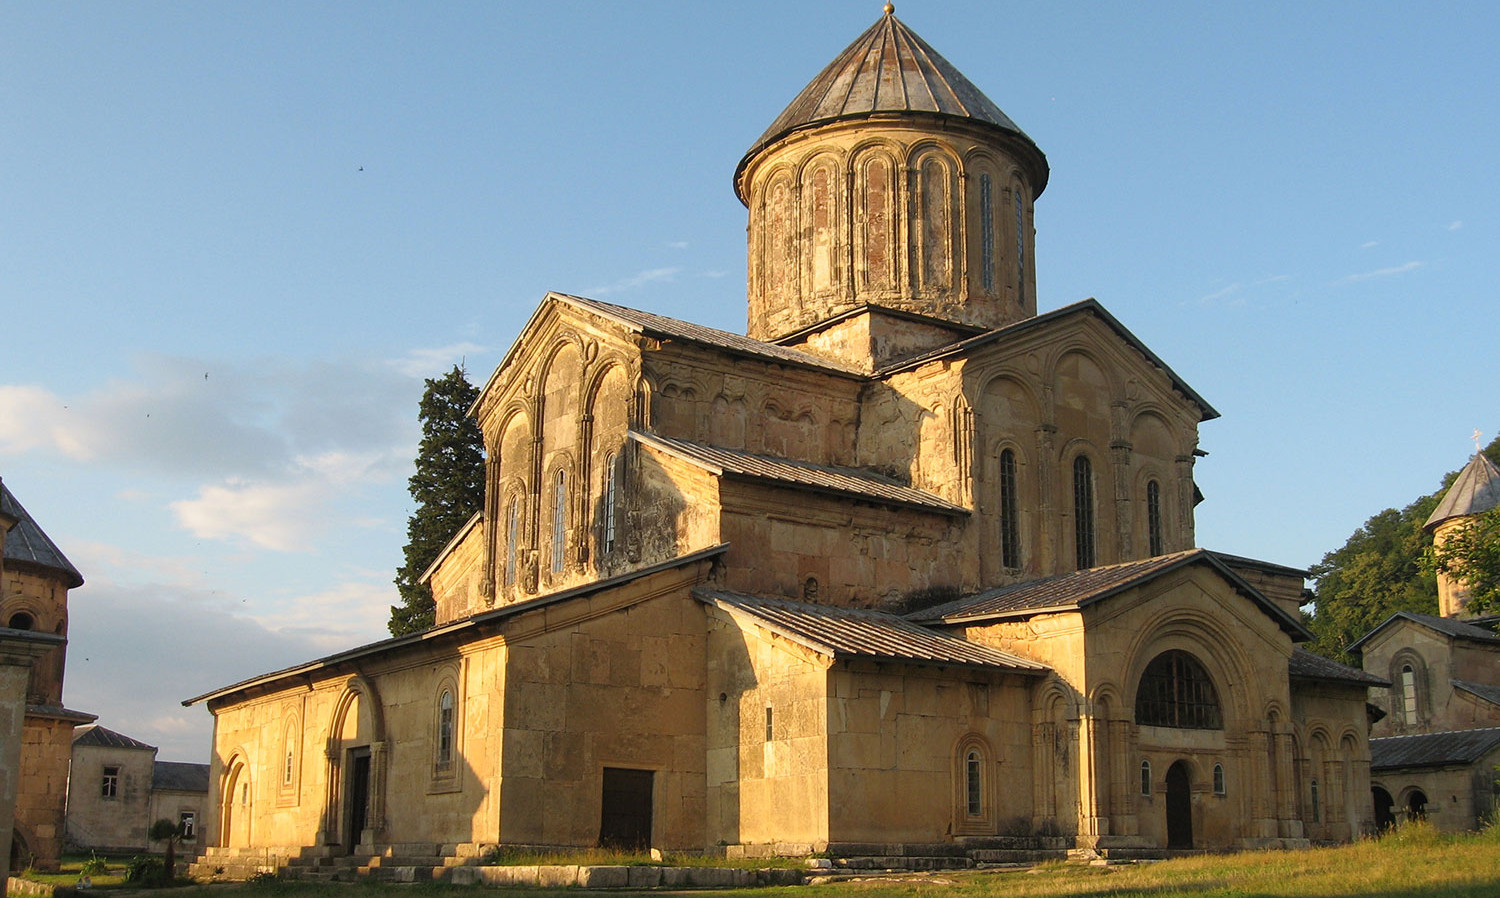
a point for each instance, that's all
(72, 867)
(1412, 863)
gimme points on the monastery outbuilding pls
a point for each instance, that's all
(909, 568)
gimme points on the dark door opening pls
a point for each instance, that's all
(1385, 818)
(625, 812)
(359, 797)
(1416, 805)
(1179, 807)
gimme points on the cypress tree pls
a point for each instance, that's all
(448, 487)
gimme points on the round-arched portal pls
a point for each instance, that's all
(1385, 816)
(1416, 805)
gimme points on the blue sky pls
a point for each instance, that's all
(235, 237)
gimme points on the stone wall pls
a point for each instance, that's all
(116, 821)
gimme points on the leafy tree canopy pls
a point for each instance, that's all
(448, 487)
(1385, 567)
(1471, 553)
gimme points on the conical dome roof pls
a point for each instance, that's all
(29, 544)
(889, 69)
(1475, 490)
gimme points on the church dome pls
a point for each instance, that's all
(890, 69)
(890, 190)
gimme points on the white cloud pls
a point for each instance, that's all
(436, 361)
(1455, 226)
(1239, 286)
(283, 518)
(678, 244)
(1381, 272)
(1369, 244)
(636, 281)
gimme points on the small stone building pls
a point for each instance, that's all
(34, 582)
(1435, 744)
(909, 567)
(118, 789)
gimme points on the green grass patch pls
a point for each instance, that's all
(72, 869)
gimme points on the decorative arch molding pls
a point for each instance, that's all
(975, 786)
(361, 695)
(1415, 708)
(1209, 642)
(234, 793)
(929, 146)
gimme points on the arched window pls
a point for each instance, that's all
(1219, 779)
(445, 730)
(974, 783)
(810, 589)
(1317, 807)
(1083, 511)
(559, 521)
(21, 621)
(611, 490)
(512, 539)
(1176, 691)
(289, 755)
(1020, 240)
(1010, 530)
(1146, 778)
(1409, 694)
(986, 232)
(1153, 517)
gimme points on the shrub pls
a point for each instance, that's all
(146, 871)
(94, 866)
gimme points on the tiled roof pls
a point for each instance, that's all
(1484, 691)
(676, 329)
(177, 776)
(856, 482)
(1305, 665)
(859, 633)
(1475, 490)
(1447, 626)
(105, 738)
(459, 626)
(889, 69)
(27, 543)
(1433, 749)
(1087, 306)
(1081, 588)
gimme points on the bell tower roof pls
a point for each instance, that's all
(1475, 490)
(890, 69)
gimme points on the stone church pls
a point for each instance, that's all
(909, 566)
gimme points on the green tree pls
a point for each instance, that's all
(170, 833)
(448, 488)
(1471, 553)
(1384, 567)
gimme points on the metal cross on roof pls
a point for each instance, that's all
(1477, 437)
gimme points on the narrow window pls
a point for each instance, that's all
(1317, 810)
(1083, 511)
(559, 521)
(1010, 530)
(288, 763)
(611, 487)
(445, 730)
(1153, 516)
(512, 540)
(21, 621)
(109, 787)
(810, 589)
(188, 822)
(245, 795)
(974, 783)
(770, 729)
(1218, 779)
(1020, 241)
(986, 233)
(1146, 778)
(1409, 694)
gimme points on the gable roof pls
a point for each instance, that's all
(860, 633)
(1447, 626)
(179, 776)
(854, 482)
(1433, 749)
(1085, 307)
(1482, 691)
(27, 543)
(1305, 665)
(1079, 589)
(1475, 490)
(459, 626)
(96, 735)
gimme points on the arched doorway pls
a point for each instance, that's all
(1385, 817)
(235, 813)
(1179, 806)
(20, 854)
(1416, 805)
